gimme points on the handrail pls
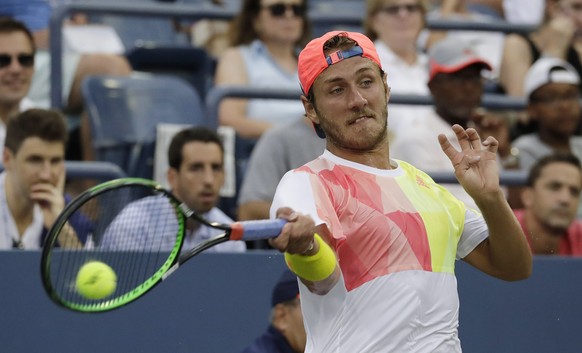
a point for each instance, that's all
(194, 12)
(216, 94)
(491, 101)
(91, 170)
(506, 177)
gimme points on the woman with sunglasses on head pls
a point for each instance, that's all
(265, 37)
(394, 26)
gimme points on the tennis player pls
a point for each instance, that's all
(374, 240)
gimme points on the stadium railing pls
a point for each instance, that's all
(90, 170)
(195, 12)
(490, 101)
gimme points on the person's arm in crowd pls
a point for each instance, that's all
(515, 62)
(233, 112)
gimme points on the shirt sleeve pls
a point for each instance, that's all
(474, 232)
(296, 192)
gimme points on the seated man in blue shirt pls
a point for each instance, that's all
(195, 175)
(286, 333)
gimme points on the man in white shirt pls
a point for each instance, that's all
(32, 185)
(196, 174)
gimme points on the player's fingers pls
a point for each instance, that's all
(287, 213)
(474, 139)
(491, 144)
(446, 146)
(462, 137)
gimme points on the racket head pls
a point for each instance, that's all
(117, 239)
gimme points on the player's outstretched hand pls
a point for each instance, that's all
(475, 164)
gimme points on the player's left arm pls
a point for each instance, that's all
(505, 254)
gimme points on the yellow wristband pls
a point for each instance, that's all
(315, 267)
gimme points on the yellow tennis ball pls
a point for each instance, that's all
(96, 280)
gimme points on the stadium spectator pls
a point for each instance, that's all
(488, 45)
(195, 175)
(551, 200)
(35, 14)
(553, 109)
(286, 333)
(395, 26)
(557, 37)
(16, 70)
(374, 240)
(276, 152)
(265, 37)
(553, 105)
(456, 86)
(279, 150)
(32, 185)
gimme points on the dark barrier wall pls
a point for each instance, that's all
(217, 303)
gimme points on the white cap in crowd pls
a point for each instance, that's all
(549, 70)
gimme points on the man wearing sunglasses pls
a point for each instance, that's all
(16, 70)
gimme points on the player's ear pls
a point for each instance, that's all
(309, 107)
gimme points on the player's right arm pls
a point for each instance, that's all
(308, 255)
(310, 258)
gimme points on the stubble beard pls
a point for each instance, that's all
(367, 141)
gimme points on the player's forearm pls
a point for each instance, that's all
(509, 253)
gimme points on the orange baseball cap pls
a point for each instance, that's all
(312, 59)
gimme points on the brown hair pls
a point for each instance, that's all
(10, 25)
(374, 6)
(200, 134)
(560, 157)
(48, 125)
(242, 29)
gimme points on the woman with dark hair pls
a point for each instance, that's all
(265, 37)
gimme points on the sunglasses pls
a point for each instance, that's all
(396, 9)
(279, 10)
(25, 60)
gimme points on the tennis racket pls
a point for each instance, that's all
(137, 228)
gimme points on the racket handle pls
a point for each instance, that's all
(256, 230)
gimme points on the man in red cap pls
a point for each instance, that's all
(456, 86)
(374, 240)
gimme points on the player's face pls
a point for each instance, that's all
(200, 177)
(555, 195)
(351, 99)
(15, 78)
(36, 162)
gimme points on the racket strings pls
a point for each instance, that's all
(131, 229)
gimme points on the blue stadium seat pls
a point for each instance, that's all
(124, 113)
(190, 63)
